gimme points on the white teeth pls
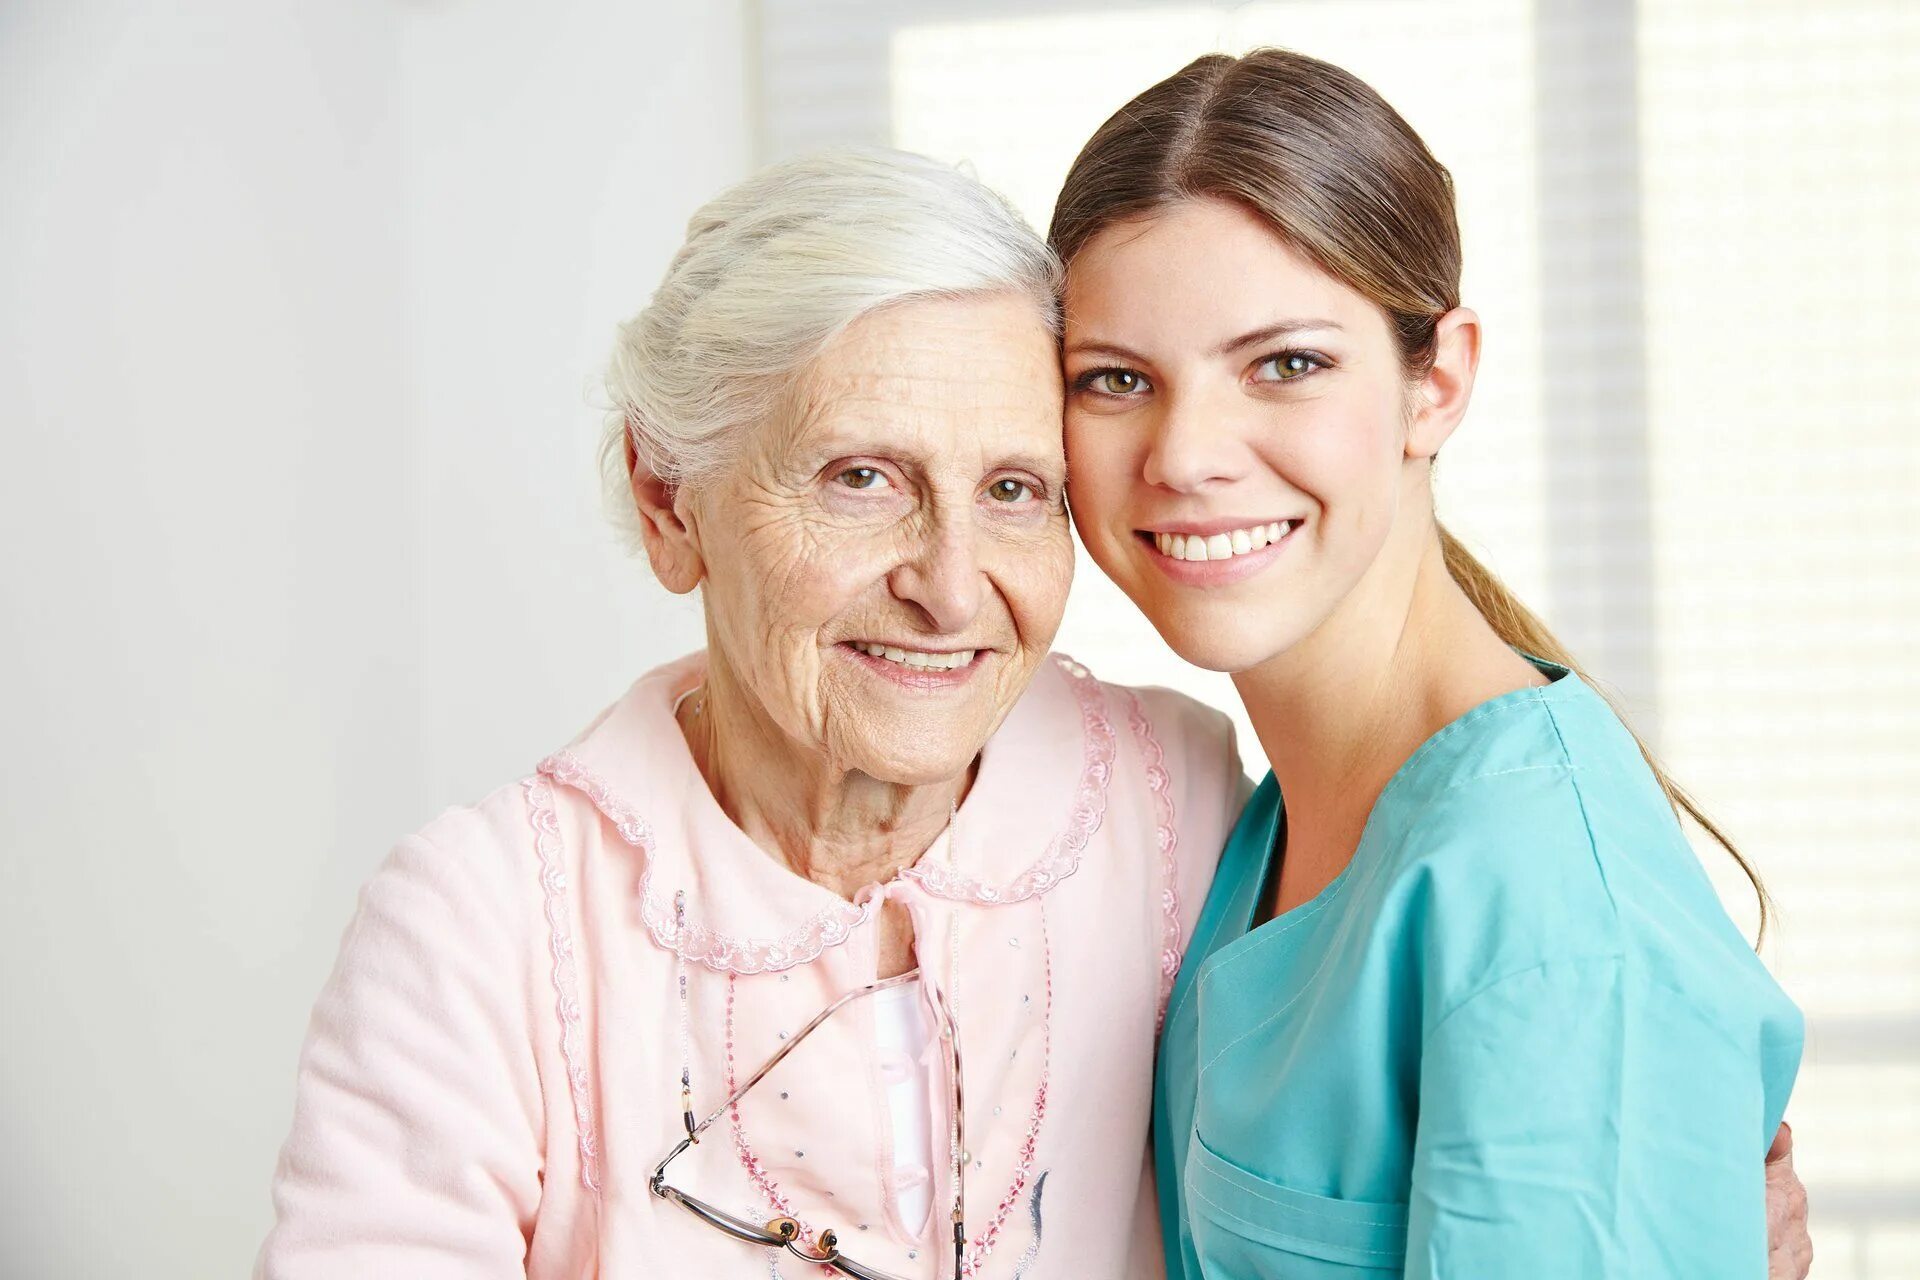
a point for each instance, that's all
(1221, 546)
(917, 658)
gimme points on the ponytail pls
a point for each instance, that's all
(1521, 628)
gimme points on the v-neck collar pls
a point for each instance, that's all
(1265, 813)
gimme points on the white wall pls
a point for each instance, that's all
(299, 303)
(555, 153)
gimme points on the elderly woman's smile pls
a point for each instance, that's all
(886, 561)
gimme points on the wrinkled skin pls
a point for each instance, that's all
(911, 493)
(1789, 1247)
(802, 550)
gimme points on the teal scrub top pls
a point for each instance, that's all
(1517, 1037)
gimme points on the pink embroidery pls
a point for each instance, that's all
(553, 879)
(1089, 807)
(1023, 1167)
(696, 943)
(727, 953)
(563, 768)
(724, 953)
(1160, 783)
(749, 1160)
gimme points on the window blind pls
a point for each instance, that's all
(1689, 230)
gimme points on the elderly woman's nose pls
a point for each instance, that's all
(942, 576)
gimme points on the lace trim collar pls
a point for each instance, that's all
(793, 921)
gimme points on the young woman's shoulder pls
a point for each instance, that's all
(1538, 836)
(1544, 782)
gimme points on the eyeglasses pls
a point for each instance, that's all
(785, 1232)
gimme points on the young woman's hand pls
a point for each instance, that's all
(1789, 1247)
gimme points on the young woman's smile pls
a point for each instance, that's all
(1204, 553)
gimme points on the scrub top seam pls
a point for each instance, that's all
(1565, 685)
(1686, 999)
(1261, 934)
(1208, 972)
(1517, 700)
(1303, 1240)
(1608, 957)
(1586, 819)
(1286, 1199)
(1326, 955)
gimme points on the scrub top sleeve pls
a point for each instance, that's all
(1577, 1120)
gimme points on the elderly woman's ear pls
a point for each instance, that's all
(671, 546)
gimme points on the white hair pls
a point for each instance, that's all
(774, 268)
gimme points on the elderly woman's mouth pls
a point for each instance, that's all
(918, 667)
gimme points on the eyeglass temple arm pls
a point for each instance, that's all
(951, 1026)
(658, 1182)
(694, 1130)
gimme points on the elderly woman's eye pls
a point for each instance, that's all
(1288, 366)
(1008, 489)
(862, 478)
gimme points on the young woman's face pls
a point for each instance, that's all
(1237, 431)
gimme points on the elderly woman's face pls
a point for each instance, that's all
(886, 568)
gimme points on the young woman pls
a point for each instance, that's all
(1463, 1003)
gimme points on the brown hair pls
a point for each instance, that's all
(1334, 170)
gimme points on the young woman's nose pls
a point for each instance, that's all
(941, 575)
(1193, 446)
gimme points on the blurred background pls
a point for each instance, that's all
(302, 309)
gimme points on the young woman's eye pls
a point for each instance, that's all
(1008, 489)
(863, 478)
(1287, 366)
(1111, 382)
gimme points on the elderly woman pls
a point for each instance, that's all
(840, 420)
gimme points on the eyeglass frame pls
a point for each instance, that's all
(784, 1232)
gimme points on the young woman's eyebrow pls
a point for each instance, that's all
(1264, 334)
(1269, 333)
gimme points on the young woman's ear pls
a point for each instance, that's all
(672, 547)
(1440, 398)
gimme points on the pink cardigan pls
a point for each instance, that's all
(492, 1072)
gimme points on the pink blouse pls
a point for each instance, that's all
(493, 1070)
